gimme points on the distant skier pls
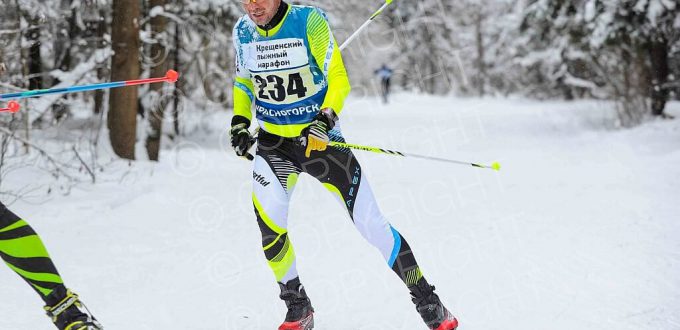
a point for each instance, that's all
(385, 75)
(23, 251)
(289, 65)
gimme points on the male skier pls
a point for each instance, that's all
(385, 75)
(289, 65)
(23, 251)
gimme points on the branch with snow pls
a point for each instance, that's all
(75, 76)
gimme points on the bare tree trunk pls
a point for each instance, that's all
(430, 78)
(4, 8)
(65, 36)
(122, 117)
(179, 85)
(26, 66)
(153, 139)
(658, 54)
(481, 67)
(100, 31)
(627, 98)
(35, 80)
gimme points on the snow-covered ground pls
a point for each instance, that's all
(579, 230)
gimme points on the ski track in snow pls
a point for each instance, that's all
(579, 230)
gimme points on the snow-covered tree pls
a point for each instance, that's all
(606, 48)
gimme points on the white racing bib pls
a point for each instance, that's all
(280, 71)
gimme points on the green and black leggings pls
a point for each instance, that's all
(278, 163)
(23, 251)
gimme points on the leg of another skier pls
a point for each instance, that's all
(24, 252)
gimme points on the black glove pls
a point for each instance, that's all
(315, 136)
(241, 140)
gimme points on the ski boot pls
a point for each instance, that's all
(68, 312)
(430, 308)
(300, 315)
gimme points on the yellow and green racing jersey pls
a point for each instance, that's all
(289, 72)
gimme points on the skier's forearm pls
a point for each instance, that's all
(338, 84)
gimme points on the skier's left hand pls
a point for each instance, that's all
(241, 139)
(315, 136)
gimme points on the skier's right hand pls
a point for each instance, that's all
(241, 140)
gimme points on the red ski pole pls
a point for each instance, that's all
(12, 107)
(171, 76)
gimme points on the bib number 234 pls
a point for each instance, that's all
(273, 87)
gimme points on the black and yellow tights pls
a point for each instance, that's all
(24, 253)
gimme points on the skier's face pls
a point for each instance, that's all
(261, 11)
